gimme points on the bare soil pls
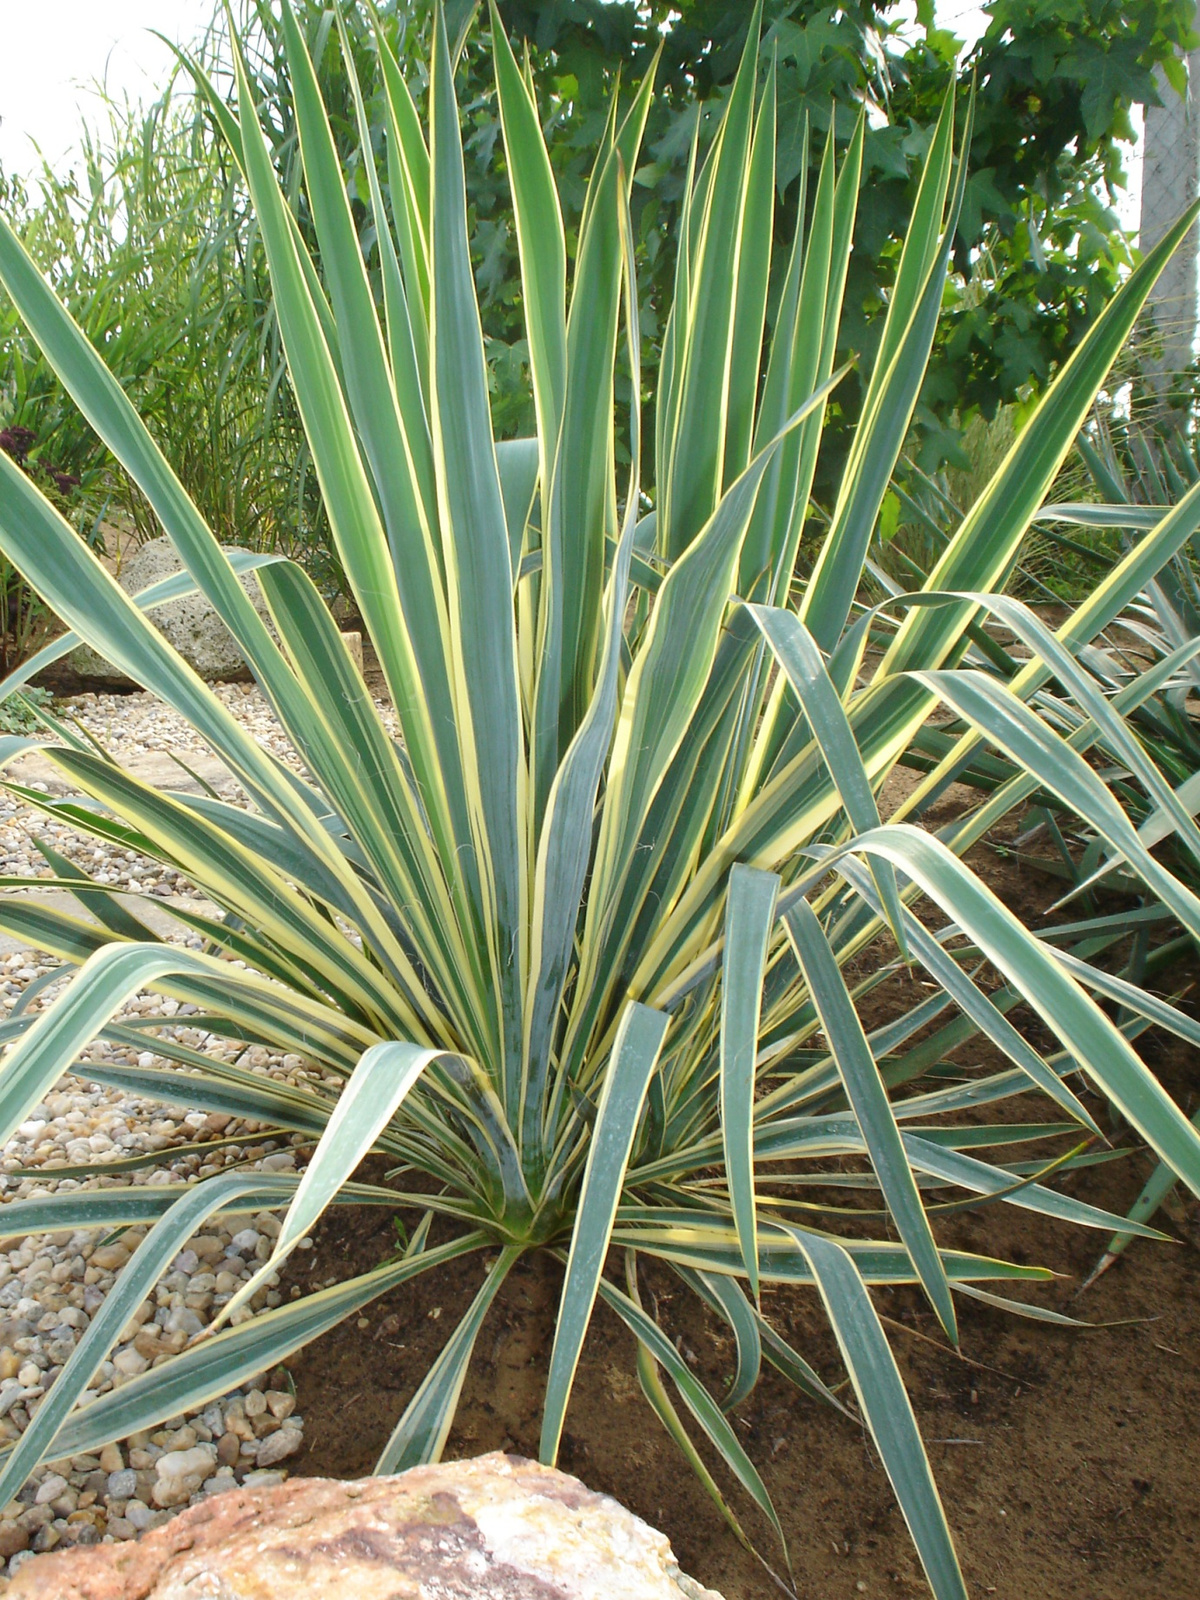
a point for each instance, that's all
(1066, 1458)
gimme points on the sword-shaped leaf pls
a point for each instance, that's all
(420, 1435)
(749, 916)
(635, 1056)
(885, 1408)
(867, 1095)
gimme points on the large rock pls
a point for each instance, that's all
(191, 625)
(496, 1528)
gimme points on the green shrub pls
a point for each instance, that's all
(577, 946)
(151, 245)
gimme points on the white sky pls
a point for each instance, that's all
(53, 51)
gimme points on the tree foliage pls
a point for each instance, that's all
(1039, 247)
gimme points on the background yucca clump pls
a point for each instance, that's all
(578, 945)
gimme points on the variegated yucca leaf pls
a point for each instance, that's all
(585, 945)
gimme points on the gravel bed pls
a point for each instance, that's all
(51, 1285)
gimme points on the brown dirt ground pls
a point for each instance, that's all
(1066, 1459)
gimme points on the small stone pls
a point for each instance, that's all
(228, 1449)
(111, 1459)
(184, 1321)
(130, 1361)
(237, 1422)
(180, 1472)
(256, 1403)
(30, 1375)
(280, 1404)
(122, 1485)
(13, 1537)
(146, 1341)
(262, 1480)
(110, 1257)
(354, 644)
(213, 1420)
(139, 1515)
(181, 1464)
(278, 1446)
(50, 1490)
(10, 1364)
(10, 1393)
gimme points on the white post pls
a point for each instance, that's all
(1170, 182)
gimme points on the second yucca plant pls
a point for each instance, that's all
(575, 943)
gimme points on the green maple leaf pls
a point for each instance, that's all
(1110, 78)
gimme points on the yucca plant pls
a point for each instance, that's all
(575, 944)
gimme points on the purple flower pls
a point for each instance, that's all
(16, 441)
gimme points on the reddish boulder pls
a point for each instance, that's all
(496, 1528)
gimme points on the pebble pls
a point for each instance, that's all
(278, 1446)
(110, 1257)
(13, 1538)
(180, 1473)
(130, 1361)
(263, 1480)
(185, 1463)
(51, 1286)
